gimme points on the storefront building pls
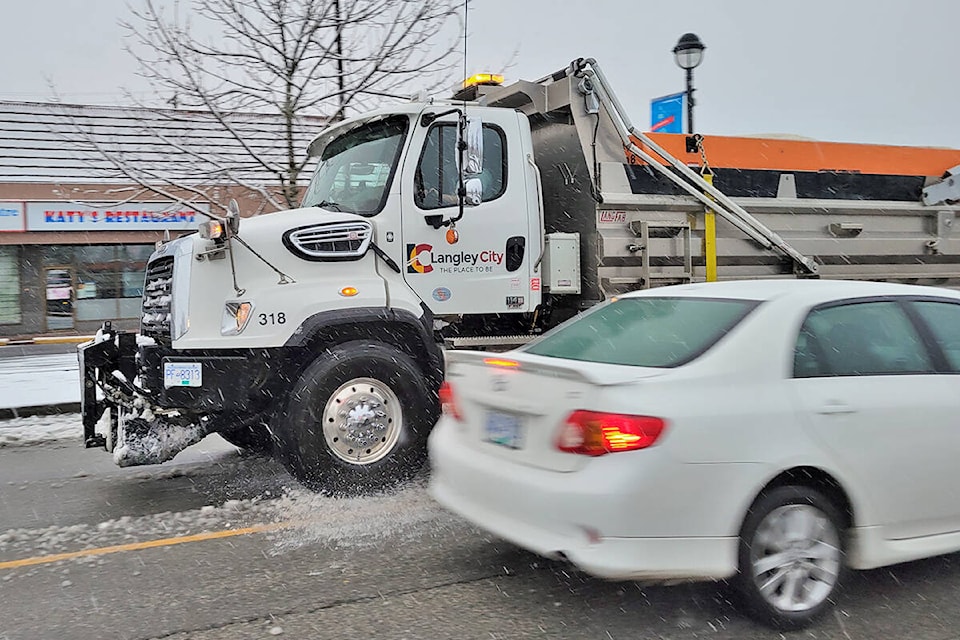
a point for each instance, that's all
(76, 232)
(67, 268)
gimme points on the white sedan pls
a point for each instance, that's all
(769, 433)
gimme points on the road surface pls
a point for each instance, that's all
(221, 546)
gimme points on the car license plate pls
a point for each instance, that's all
(504, 429)
(182, 374)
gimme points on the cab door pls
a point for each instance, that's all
(484, 262)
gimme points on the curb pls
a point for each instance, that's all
(15, 342)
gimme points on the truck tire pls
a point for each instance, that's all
(357, 420)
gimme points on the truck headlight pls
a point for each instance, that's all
(236, 315)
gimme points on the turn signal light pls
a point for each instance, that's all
(243, 315)
(501, 362)
(349, 292)
(448, 402)
(236, 315)
(592, 433)
(211, 230)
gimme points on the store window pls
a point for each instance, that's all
(108, 278)
(10, 285)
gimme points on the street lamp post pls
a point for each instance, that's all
(688, 54)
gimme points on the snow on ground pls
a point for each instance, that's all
(306, 519)
(39, 429)
(357, 522)
(17, 543)
(40, 380)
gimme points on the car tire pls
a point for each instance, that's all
(357, 420)
(791, 557)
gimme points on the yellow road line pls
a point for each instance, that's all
(149, 544)
(61, 339)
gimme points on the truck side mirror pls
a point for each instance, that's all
(473, 156)
(474, 192)
(472, 162)
(233, 216)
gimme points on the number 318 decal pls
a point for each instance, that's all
(272, 318)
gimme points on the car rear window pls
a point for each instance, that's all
(645, 332)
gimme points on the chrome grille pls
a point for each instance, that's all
(339, 240)
(157, 294)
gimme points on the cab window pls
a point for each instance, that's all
(437, 179)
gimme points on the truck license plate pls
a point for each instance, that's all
(504, 429)
(182, 374)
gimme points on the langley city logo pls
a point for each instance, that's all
(419, 258)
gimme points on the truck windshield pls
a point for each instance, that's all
(356, 168)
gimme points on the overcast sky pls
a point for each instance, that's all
(881, 71)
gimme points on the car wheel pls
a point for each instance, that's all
(791, 557)
(357, 420)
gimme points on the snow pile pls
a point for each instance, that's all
(39, 381)
(40, 429)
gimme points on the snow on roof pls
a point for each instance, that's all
(54, 142)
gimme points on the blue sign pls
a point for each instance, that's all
(666, 113)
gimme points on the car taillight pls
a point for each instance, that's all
(592, 433)
(448, 402)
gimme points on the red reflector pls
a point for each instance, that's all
(448, 402)
(501, 362)
(592, 433)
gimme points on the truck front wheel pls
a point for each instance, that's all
(357, 420)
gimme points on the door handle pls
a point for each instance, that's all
(835, 407)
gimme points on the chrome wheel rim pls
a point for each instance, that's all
(362, 421)
(795, 557)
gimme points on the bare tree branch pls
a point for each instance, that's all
(288, 60)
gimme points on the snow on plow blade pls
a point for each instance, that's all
(153, 442)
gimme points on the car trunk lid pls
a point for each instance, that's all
(515, 405)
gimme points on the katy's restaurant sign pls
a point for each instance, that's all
(69, 216)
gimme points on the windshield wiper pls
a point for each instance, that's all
(326, 204)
